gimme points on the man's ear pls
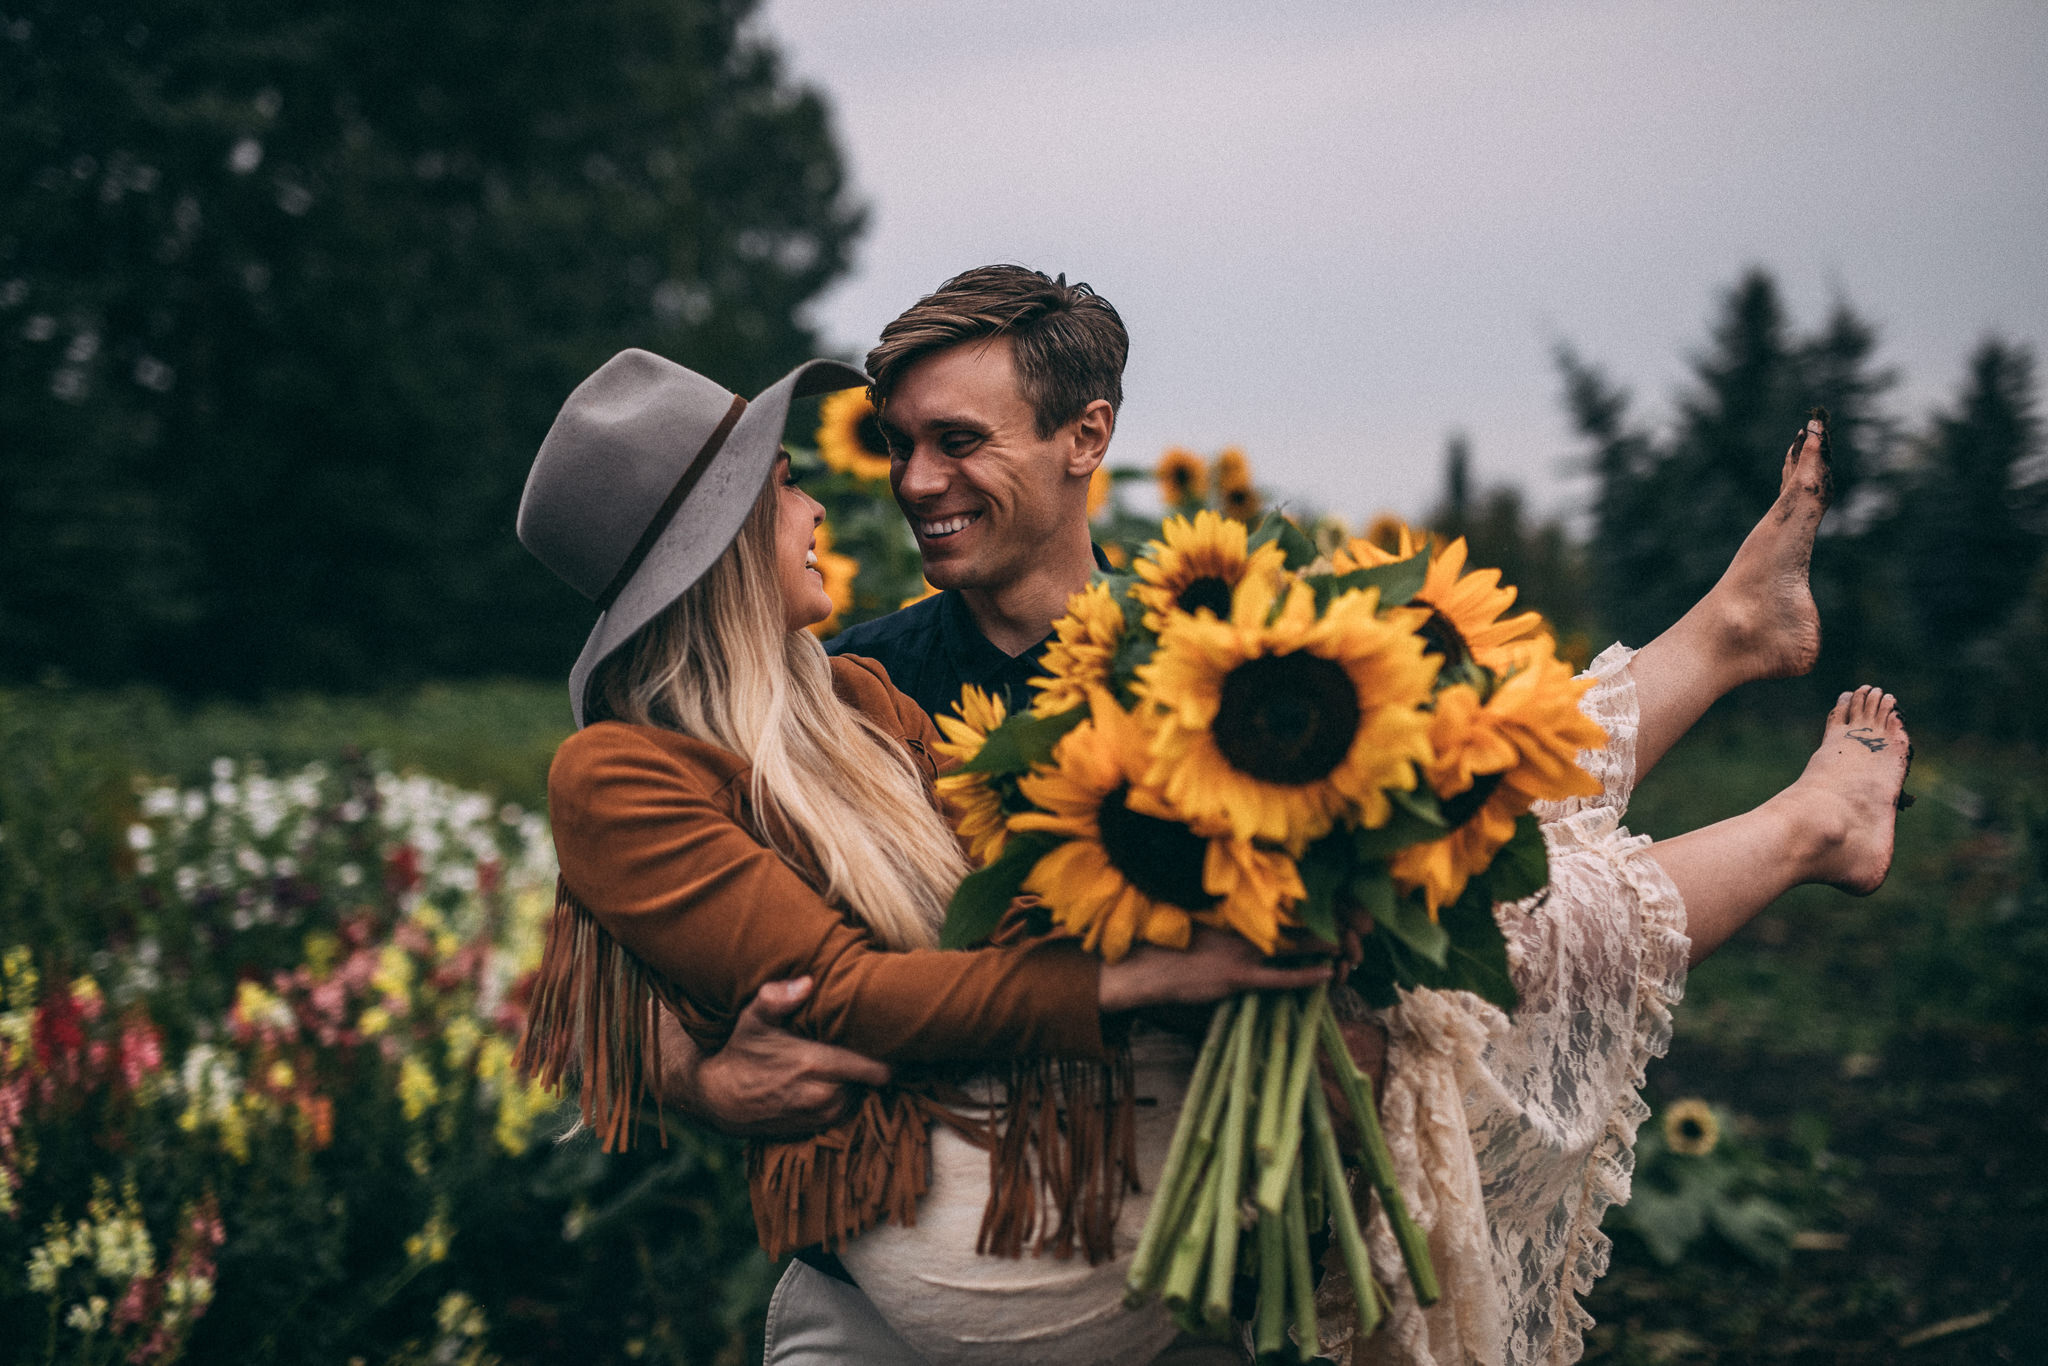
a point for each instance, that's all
(1092, 430)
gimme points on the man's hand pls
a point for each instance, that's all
(766, 1082)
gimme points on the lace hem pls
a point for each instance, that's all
(1660, 985)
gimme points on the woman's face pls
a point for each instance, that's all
(797, 514)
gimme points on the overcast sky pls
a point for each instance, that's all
(1339, 231)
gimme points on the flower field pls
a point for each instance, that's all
(261, 968)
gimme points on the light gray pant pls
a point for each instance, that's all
(814, 1320)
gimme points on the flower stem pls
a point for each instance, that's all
(1271, 1334)
(1301, 1283)
(1167, 1195)
(1273, 1175)
(1378, 1162)
(1273, 1080)
(1190, 1253)
(1230, 1163)
(1343, 1218)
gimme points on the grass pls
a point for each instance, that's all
(1885, 1057)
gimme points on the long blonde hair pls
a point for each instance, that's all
(832, 793)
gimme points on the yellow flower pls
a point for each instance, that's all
(1098, 491)
(1234, 487)
(1084, 642)
(1129, 871)
(1466, 610)
(1182, 478)
(926, 592)
(1493, 760)
(416, 1089)
(1279, 723)
(839, 571)
(977, 806)
(1690, 1128)
(849, 437)
(1196, 565)
(1118, 557)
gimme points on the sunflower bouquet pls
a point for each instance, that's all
(1243, 733)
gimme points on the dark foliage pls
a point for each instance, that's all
(289, 295)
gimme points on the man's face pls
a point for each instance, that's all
(984, 493)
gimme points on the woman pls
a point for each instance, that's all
(734, 810)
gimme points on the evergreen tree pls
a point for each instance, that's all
(289, 295)
(1970, 539)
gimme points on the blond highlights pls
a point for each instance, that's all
(836, 796)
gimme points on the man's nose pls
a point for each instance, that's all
(921, 475)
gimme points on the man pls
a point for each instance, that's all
(998, 395)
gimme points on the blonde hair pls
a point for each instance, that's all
(835, 795)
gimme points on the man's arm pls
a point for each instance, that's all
(766, 1082)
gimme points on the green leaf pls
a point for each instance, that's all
(1022, 741)
(1522, 867)
(1421, 803)
(1478, 960)
(981, 898)
(1324, 866)
(1404, 828)
(1407, 919)
(1398, 582)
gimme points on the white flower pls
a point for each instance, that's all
(87, 1318)
(159, 802)
(195, 804)
(348, 875)
(223, 769)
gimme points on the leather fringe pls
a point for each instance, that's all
(594, 1013)
(826, 1189)
(1064, 1154)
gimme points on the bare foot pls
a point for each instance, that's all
(1848, 796)
(1763, 606)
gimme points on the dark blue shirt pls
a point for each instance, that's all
(934, 648)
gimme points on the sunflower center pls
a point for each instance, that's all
(1161, 858)
(1691, 1129)
(868, 432)
(1441, 638)
(1207, 591)
(1287, 718)
(1466, 804)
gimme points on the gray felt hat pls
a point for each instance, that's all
(643, 482)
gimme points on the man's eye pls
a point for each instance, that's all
(959, 443)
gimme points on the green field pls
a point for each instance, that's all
(1876, 1063)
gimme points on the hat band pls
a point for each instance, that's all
(700, 462)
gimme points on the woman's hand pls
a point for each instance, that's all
(1213, 965)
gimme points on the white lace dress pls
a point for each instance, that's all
(1516, 1137)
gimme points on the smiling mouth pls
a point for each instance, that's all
(939, 528)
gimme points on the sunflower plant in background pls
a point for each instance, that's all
(1252, 731)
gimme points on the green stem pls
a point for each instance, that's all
(1273, 1175)
(1271, 1334)
(1343, 1218)
(1273, 1080)
(1378, 1162)
(1301, 1282)
(1190, 1252)
(1155, 1235)
(1230, 1163)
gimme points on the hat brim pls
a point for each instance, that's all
(709, 519)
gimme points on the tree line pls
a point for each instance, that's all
(1931, 572)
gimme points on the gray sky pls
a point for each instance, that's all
(1338, 231)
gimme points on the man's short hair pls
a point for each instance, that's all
(1069, 343)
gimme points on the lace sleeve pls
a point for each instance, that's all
(1517, 1136)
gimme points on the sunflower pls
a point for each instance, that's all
(977, 803)
(839, 571)
(1084, 642)
(1465, 609)
(1098, 491)
(1197, 565)
(850, 438)
(1690, 1127)
(1233, 475)
(1494, 758)
(1182, 478)
(1128, 870)
(1280, 727)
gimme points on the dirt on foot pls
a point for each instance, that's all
(1850, 789)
